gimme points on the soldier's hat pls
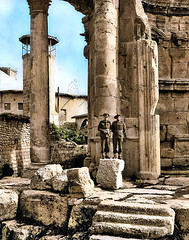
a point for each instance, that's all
(106, 115)
(116, 116)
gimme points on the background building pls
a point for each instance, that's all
(69, 105)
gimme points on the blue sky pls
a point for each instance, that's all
(64, 23)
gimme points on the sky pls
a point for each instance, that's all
(64, 23)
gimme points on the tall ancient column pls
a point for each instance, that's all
(103, 58)
(39, 109)
(138, 77)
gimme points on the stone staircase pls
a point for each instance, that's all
(131, 220)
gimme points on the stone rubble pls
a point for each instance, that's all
(80, 183)
(146, 211)
(45, 207)
(41, 179)
(8, 204)
(20, 231)
(60, 182)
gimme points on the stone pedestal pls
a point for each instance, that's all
(109, 174)
(39, 97)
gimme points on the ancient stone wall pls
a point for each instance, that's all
(14, 142)
(15, 146)
(68, 154)
(170, 29)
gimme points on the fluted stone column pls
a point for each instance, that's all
(138, 76)
(103, 59)
(39, 110)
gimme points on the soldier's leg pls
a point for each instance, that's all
(107, 147)
(114, 146)
(102, 146)
(120, 147)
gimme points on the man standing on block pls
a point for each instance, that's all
(104, 128)
(119, 130)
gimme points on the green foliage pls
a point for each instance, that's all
(69, 135)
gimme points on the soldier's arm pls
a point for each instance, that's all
(100, 129)
(124, 130)
(112, 127)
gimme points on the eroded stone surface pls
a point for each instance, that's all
(20, 231)
(177, 181)
(81, 218)
(181, 208)
(80, 183)
(60, 182)
(109, 173)
(42, 178)
(45, 207)
(8, 204)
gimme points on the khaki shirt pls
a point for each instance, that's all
(118, 128)
(104, 127)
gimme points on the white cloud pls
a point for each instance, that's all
(6, 7)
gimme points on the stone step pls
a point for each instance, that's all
(134, 220)
(103, 237)
(145, 220)
(135, 208)
(174, 172)
(128, 230)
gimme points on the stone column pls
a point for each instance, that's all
(138, 77)
(103, 58)
(39, 110)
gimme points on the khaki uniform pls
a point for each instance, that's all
(118, 129)
(104, 128)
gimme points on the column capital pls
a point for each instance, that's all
(39, 5)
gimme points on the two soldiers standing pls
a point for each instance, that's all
(119, 130)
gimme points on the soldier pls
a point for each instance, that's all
(104, 128)
(118, 129)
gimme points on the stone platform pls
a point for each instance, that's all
(136, 211)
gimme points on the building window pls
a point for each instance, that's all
(7, 106)
(62, 116)
(20, 106)
(63, 112)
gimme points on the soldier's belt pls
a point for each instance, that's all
(118, 131)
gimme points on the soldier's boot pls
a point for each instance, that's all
(115, 156)
(119, 156)
(102, 155)
(107, 156)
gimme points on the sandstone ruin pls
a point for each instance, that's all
(129, 42)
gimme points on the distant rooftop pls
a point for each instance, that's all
(8, 79)
(85, 115)
(71, 95)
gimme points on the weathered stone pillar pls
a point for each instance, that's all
(138, 76)
(103, 59)
(39, 110)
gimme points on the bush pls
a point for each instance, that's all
(69, 135)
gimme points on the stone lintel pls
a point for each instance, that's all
(174, 84)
